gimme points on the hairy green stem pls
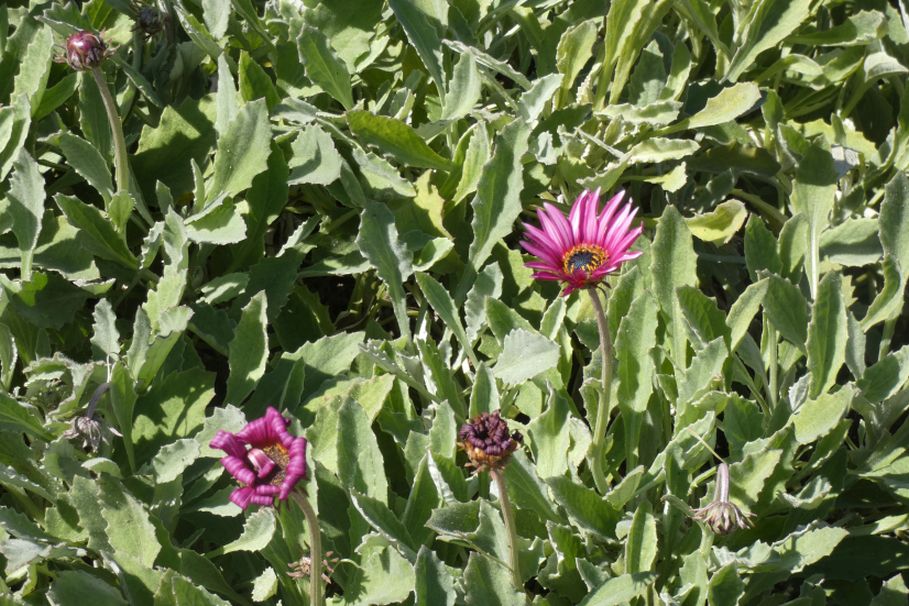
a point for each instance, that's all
(773, 362)
(602, 418)
(121, 165)
(316, 597)
(508, 518)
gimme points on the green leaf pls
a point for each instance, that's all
(255, 83)
(381, 518)
(827, 335)
(719, 225)
(104, 330)
(787, 310)
(618, 590)
(323, 66)
(813, 195)
(315, 159)
(575, 49)
(226, 102)
(463, 89)
(248, 351)
(498, 199)
(26, 207)
(256, 535)
(766, 25)
(88, 162)
(242, 151)
(886, 377)
(641, 544)
(396, 138)
(35, 67)
(422, 21)
(728, 105)
(101, 237)
(434, 583)
(818, 417)
(360, 463)
(673, 265)
(584, 506)
(20, 417)
(525, 355)
(761, 248)
(475, 159)
(79, 587)
(379, 242)
(14, 123)
(488, 583)
(173, 459)
(219, 223)
(444, 306)
(660, 149)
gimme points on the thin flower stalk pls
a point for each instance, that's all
(511, 529)
(316, 594)
(602, 417)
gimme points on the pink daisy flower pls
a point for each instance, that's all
(583, 248)
(272, 464)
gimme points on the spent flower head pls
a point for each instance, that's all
(264, 458)
(487, 442)
(582, 249)
(85, 50)
(93, 432)
(149, 20)
(721, 515)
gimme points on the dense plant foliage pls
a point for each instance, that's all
(316, 206)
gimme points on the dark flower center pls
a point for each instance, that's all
(585, 257)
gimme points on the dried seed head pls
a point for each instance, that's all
(92, 432)
(85, 50)
(149, 20)
(722, 516)
(486, 441)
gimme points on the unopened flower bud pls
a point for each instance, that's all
(85, 50)
(486, 441)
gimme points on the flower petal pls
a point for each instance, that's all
(229, 443)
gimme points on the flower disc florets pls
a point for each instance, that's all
(486, 441)
(85, 50)
(582, 249)
(265, 458)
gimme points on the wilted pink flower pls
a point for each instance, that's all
(85, 50)
(265, 458)
(583, 248)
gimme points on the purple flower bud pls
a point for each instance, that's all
(85, 50)
(486, 441)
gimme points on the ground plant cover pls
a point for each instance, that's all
(427, 302)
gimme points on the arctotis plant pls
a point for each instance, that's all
(477, 302)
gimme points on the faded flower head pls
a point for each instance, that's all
(85, 50)
(264, 458)
(92, 432)
(582, 249)
(722, 516)
(301, 568)
(486, 441)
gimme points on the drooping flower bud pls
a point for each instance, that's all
(91, 431)
(486, 441)
(85, 50)
(722, 516)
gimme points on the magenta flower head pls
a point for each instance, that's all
(265, 458)
(85, 50)
(583, 248)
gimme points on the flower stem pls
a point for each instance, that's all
(315, 549)
(508, 518)
(121, 164)
(599, 427)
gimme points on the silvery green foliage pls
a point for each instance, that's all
(335, 190)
